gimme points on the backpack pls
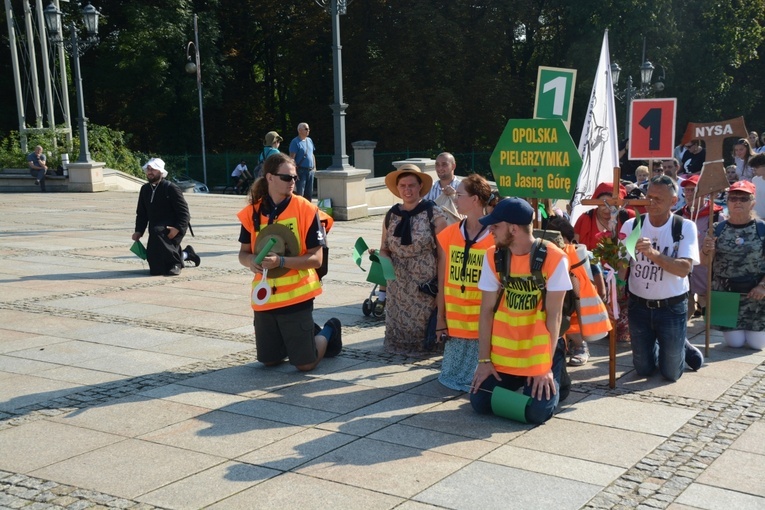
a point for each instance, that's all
(677, 235)
(677, 231)
(502, 259)
(760, 231)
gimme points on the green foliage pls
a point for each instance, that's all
(110, 146)
(11, 155)
(425, 75)
(105, 144)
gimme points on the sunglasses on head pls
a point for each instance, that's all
(287, 177)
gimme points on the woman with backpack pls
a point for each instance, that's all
(738, 266)
(409, 240)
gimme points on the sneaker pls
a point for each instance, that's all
(37, 182)
(579, 355)
(175, 270)
(693, 356)
(335, 341)
(192, 255)
(379, 308)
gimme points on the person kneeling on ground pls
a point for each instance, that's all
(162, 207)
(284, 326)
(519, 343)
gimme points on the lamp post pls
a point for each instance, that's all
(191, 68)
(76, 48)
(631, 92)
(335, 8)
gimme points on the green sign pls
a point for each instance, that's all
(555, 94)
(536, 158)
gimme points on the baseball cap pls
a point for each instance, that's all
(511, 210)
(745, 186)
(693, 180)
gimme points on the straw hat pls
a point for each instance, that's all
(407, 168)
(286, 245)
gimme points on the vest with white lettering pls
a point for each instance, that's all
(520, 342)
(294, 286)
(461, 294)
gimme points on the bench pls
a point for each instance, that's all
(19, 180)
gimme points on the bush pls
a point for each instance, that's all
(105, 144)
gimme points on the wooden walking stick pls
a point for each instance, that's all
(614, 200)
(711, 182)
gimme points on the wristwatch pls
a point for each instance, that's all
(761, 284)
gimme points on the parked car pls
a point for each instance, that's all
(186, 184)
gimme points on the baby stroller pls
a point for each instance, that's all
(373, 306)
(380, 272)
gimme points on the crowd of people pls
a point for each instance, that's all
(507, 308)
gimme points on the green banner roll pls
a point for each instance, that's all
(381, 271)
(359, 249)
(509, 404)
(270, 244)
(139, 250)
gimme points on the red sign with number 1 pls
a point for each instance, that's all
(652, 128)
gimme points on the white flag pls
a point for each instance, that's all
(598, 145)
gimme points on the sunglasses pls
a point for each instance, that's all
(287, 177)
(739, 198)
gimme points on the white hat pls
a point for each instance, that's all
(156, 164)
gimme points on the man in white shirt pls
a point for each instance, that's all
(447, 182)
(658, 287)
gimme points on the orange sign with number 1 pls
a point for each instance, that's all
(652, 128)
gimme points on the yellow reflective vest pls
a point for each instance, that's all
(461, 294)
(294, 286)
(520, 342)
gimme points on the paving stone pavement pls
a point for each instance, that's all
(121, 390)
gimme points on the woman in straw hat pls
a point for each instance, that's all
(408, 238)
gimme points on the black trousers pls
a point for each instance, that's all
(162, 253)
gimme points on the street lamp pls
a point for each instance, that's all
(631, 92)
(191, 68)
(335, 8)
(76, 48)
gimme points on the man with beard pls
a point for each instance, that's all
(162, 207)
(447, 183)
(519, 325)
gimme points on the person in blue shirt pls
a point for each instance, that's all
(302, 151)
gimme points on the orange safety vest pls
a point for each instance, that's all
(294, 286)
(520, 342)
(592, 321)
(461, 294)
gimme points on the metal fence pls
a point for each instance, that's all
(220, 166)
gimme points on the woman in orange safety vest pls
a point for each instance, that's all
(461, 249)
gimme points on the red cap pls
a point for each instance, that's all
(607, 188)
(745, 186)
(693, 180)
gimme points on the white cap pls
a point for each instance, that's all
(156, 164)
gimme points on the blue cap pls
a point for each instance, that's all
(511, 210)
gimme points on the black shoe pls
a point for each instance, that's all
(565, 384)
(335, 340)
(192, 255)
(175, 270)
(693, 357)
(37, 182)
